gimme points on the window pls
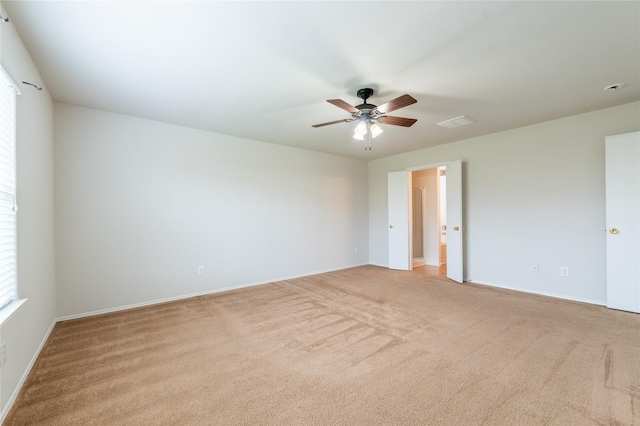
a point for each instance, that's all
(8, 208)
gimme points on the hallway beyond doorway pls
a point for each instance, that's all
(440, 271)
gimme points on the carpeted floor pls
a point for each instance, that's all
(361, 346)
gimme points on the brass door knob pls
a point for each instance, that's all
(390, 226)
(456, 228)
(614, 230)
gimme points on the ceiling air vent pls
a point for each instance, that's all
(453, 123)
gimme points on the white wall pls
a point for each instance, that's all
(141, 204)
(532, 195)
(25, 331)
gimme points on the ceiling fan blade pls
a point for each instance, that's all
(346, 120)
(398, 121)
(342, 104)
(396, 103)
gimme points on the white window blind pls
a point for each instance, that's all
(8, 207)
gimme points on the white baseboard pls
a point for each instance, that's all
(416, 263)
(540, 293)
(186, 296)
(14, 395)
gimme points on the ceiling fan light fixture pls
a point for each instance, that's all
(376, 130)
(358, 136)
(361, 129)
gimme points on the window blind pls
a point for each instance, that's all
(8, 207)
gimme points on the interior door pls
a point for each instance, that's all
(399, 191)
(454, 221)
(398, 205)
(623, 221)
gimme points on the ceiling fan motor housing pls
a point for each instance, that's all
(366, 111)
(365, 93)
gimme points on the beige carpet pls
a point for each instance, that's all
(362, 346)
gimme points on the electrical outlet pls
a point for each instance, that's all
(200, 270)
(536, 268)
(3, 354)
(564, 271)
(355, 250)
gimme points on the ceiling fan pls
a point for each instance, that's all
(370, 115)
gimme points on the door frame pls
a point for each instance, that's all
(457, 275)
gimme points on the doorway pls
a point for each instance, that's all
(429, 221)
(399, 202)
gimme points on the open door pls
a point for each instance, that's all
(399, 217)
(399, 194)
(454, 221)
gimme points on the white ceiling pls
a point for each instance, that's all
(264, 70)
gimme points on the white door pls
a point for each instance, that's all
(454, 221)
(623, 221)
(399, 184)
(398, 201)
